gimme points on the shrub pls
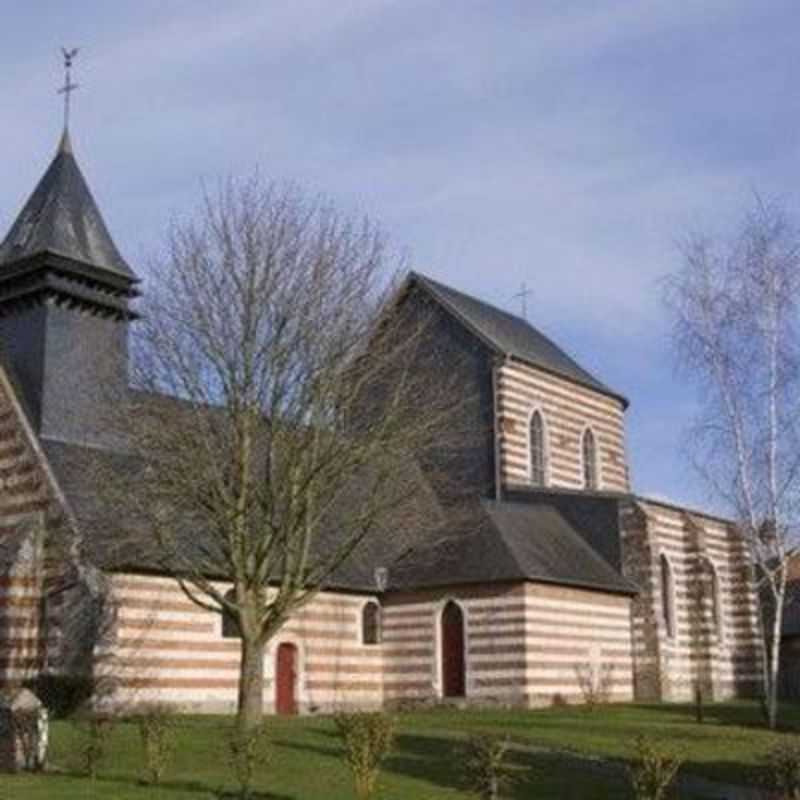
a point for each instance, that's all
(367, 740)
(96, 728)
(156, 725)
(783, 769)
(487, 768)
(653, 769)
(699, 703)
(595, 682)
(247, 751)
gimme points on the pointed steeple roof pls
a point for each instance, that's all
(62, 218)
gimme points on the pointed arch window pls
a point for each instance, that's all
(453, 659)
(667, 595)
(371, 623)
(589, 457)
(536, 449)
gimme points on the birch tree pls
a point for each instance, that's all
(734, 308)
(280, 412)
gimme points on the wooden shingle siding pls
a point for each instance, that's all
(567, 410)
(724, 666)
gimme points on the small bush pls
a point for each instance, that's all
(157, 732)
(96, 728)
(653, 769)
(248, 749)
(595, 682)
(783, 769)
(487, 769)
(367, 740)
(699, 703)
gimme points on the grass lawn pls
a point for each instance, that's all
(427, 761)
(727, 747)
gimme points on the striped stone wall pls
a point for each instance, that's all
(494, 621)
(577, 641)
(721, 657)
(167, 649)
(24, 502)
(567, 409)
(525, 644)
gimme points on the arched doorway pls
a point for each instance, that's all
(452, 639)
(286, 679)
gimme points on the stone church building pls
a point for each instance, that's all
(568, 584)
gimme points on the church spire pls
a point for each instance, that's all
(61, 217)
(66, 297)
(59, 247)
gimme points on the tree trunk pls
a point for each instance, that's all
(250, 711)
(774, 664)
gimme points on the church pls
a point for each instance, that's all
(570, 587)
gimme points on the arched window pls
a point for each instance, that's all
(536, 446)
(230, 627)
(452, 635)
(371, 623)
(667, 596)
(589, 454)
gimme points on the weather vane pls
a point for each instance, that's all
(69, 87)
(523, 294)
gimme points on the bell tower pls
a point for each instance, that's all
(65, 305)
(65, 302)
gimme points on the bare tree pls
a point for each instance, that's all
(734, 305)
(281, 412)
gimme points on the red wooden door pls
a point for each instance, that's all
(453, 682)
(286, 679)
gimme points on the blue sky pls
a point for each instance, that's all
(563, 144)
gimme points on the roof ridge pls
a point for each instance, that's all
(438, 284)
(510, 335)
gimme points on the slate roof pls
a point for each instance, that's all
(511, 335)
(594, 515)
(108, 540)
(512, 541)
(492, 542)
(118, 539)
(62, 218)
